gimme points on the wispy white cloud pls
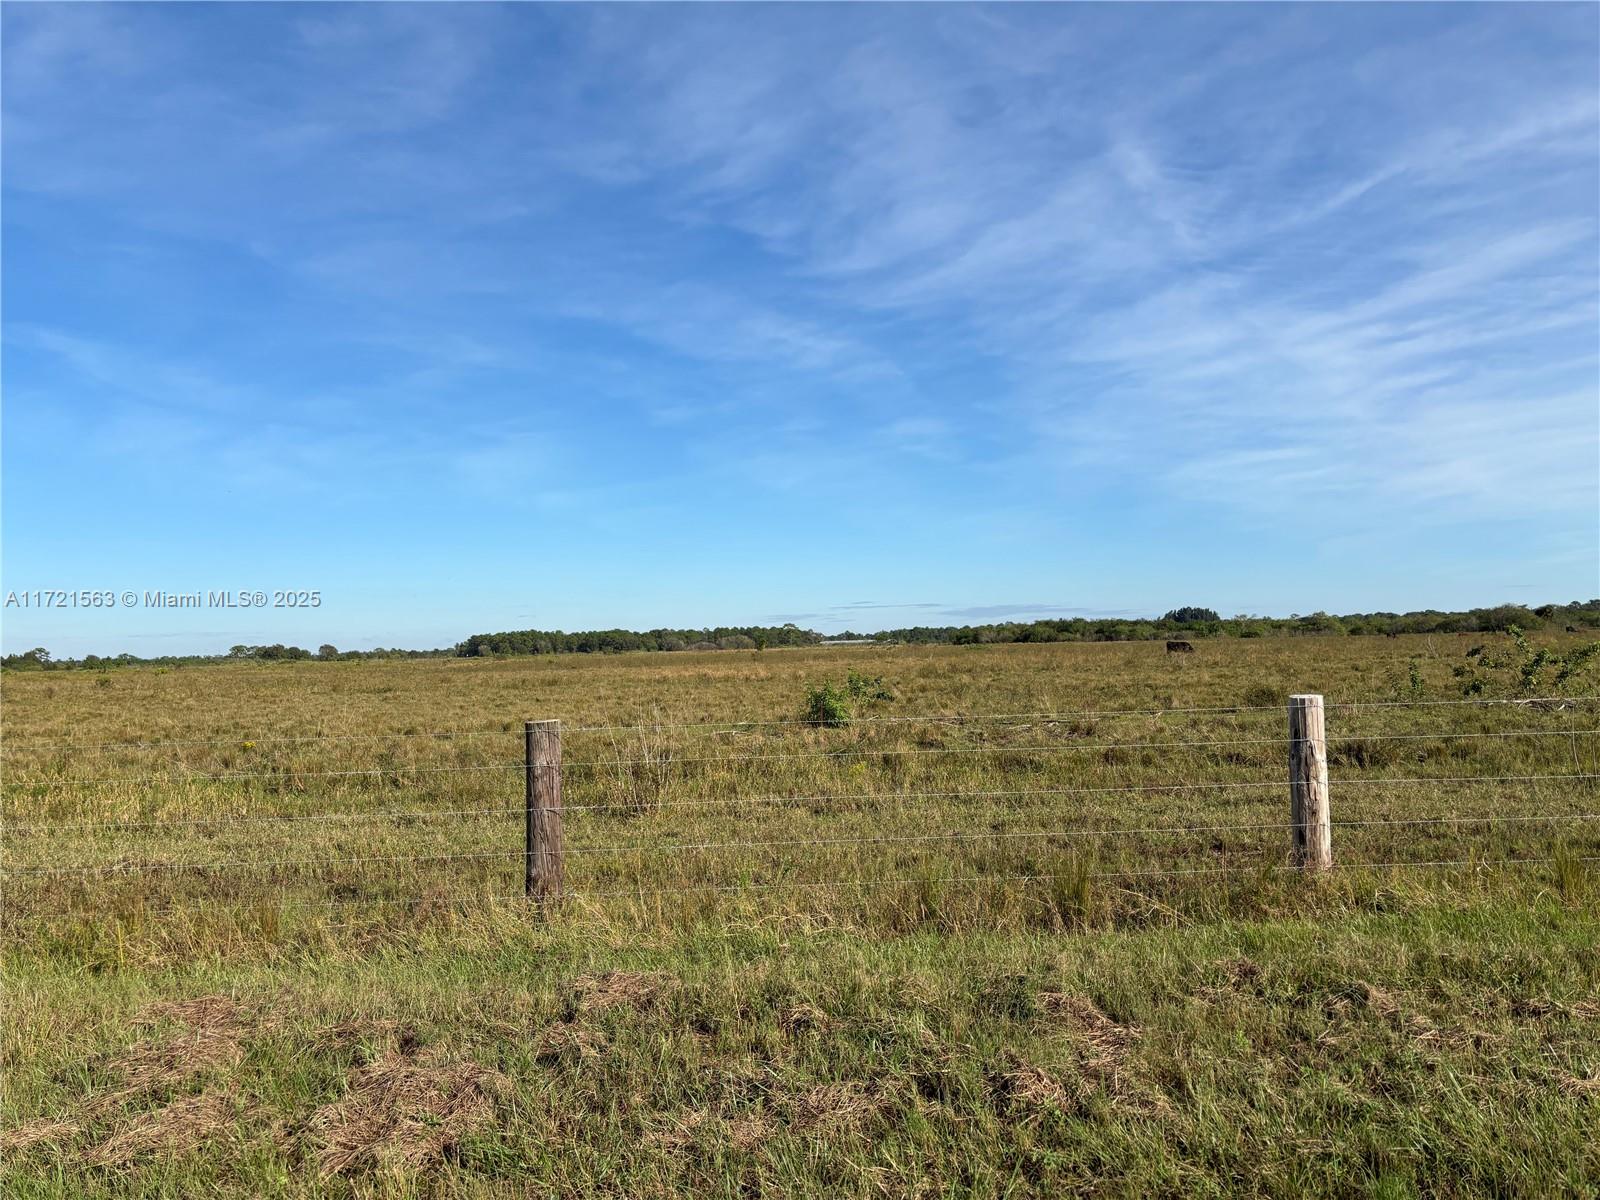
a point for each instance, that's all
(1020, 258)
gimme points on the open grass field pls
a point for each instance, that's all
(263, 932)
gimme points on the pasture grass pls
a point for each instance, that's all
(1018, 955)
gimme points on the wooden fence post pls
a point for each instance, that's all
(1309, 814)
(543, 866)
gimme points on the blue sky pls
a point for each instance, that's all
(478, 317)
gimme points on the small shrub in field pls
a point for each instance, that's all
(1523, 667)
(866, 688)
(828, 706)
(832, 705)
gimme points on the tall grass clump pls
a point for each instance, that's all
(643, 768)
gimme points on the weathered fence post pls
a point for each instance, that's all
(1309, 814)
(543, 864)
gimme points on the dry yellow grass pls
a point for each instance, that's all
(248, 802)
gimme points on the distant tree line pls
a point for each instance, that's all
(1189, 621)
(1204, 622)
(617, 641)
(40, 659)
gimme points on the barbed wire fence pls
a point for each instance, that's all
(1304, 839)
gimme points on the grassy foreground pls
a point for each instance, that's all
(1441, 1053)
(1068, 964)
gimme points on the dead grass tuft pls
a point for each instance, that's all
(743, 1132)
(212, 1031)
(1032, 1089)
(804, 1017)
(609, 989)
(199, 1012)
(1374, 999)
(386, 1036)
(568, 1044)
(1088, 1024)
(403, 1111)
(174, 1129)
(32, 1133)
(836, 1106)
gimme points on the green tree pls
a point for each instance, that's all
(1191, 616)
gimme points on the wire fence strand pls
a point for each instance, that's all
(1270, 868)
(1005, 835)
(832, 849)
(391, 814)
(249, 864)
(780, 722)
(1077, 747)
(854, 751)
(1263, 869)
(796, 799)
(875, 840)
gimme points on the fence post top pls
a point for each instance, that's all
(548, 723)
(1305, 697)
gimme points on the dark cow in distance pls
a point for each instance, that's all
(1180, 648)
